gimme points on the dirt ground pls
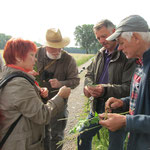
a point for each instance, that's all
(75, 107)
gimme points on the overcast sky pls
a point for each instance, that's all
(30, 19)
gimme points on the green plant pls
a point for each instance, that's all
(101, 143)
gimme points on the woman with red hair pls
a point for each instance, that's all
(20, 97)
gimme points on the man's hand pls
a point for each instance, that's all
(44, 92)
(113, 103)
(96, 91)
(64, 92)
(86, 92)
(114, 121)
(55, 83)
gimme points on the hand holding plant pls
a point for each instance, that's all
(95, 90)
(113, 103)
(114, 121)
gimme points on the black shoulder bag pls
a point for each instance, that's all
(2, 84)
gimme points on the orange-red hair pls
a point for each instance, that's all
(17, 47)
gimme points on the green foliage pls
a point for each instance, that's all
(37, 44)
(86, 39)
(85, 123)
(3, 39)
(103, 142)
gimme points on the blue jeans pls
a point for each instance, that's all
(84, 141)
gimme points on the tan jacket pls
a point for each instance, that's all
(20, 97)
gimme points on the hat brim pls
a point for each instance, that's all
(64, 42)
(113, 36)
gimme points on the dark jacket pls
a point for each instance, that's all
(64, 70)
(120, 72)
(139, 124)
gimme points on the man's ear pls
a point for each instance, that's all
(136, 36)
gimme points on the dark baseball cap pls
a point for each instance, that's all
(133, 23)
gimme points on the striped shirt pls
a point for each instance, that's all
(135, 85)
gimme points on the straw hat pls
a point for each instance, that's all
(54, 39)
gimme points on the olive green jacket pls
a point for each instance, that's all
(120, 72)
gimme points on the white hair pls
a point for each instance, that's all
(145, 35)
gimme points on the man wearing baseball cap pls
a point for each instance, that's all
(56, 68)
(133, 37)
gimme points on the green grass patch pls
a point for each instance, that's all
(81, 58)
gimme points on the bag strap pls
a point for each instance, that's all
(15, 74)
(9, 131)
(48, 65)
(2, 84)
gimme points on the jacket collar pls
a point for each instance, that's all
(115, 54)
(146, 56)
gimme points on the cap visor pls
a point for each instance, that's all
(113, 36)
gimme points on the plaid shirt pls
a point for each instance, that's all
(135, 85)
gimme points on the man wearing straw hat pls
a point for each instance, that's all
(134, 40)
(56, 69)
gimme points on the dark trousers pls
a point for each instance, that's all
(54, 132)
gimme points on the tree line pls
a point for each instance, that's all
(85, 40)
(4, 38)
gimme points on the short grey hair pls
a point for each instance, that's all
(145, 35)
(104, 23)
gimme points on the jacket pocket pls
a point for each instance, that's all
(37, 146)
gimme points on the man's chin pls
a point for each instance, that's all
(54, 56)
(106, 47)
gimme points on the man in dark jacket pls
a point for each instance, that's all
(56, 69)
(108, 75)
(134, 40)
